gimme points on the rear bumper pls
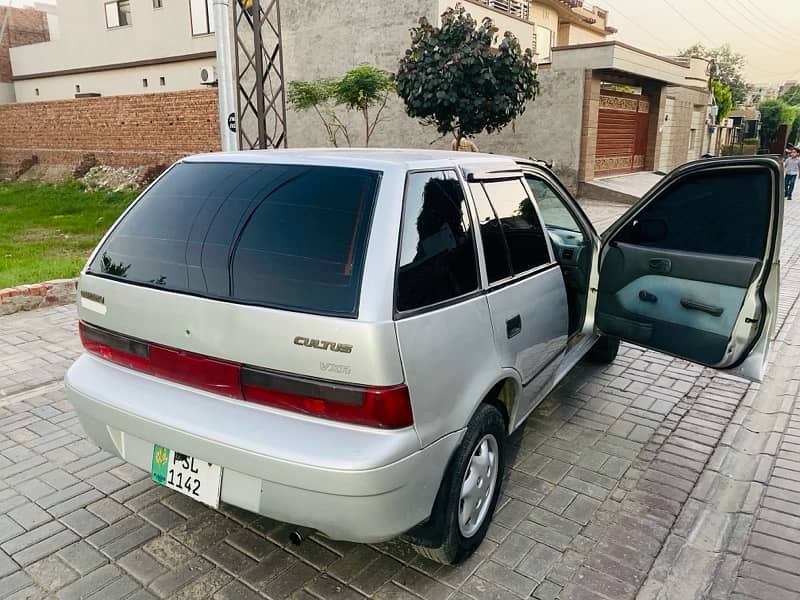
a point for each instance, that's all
(350, 483)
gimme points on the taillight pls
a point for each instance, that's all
(387, 408)
(383, 407)
(115, 348)
(208, 374)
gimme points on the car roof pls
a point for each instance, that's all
(381, 159)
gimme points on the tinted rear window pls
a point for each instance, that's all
(284, 236)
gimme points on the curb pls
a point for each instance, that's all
(30, 297)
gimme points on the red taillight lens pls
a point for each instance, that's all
(115, 348)
(387, 408)
(208, 374)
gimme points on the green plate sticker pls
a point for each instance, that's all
(160, 464)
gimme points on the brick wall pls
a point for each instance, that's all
(25, 26)
(125, 131)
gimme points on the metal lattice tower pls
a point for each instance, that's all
(260, 84)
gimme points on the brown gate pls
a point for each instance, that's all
(621, 133)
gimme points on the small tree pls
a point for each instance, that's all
(724, 100)
(363, 88)
(792, 95)
(730, 68)
(318, 96)
(774, 113)
(454, 79)
(794, 132)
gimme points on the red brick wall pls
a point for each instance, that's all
(25, 26)
(127, 131)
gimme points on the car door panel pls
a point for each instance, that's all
(527, 298)
(539, 304)
(686, 271)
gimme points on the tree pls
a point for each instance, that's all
(792, 95)
(361, 89)
(774, 113)
(451, 76)
(318, 96)
(730, 67)
(724, 100)
(794, 132)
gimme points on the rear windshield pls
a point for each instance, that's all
(283, 236)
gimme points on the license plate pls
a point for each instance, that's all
(195, 478)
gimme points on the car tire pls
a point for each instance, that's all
(478, 464)
(605, 350)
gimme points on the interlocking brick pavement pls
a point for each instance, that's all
(695, 502)
(609, 445)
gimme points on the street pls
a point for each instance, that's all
(624, 472)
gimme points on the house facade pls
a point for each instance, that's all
(23, 26)
(604, 108)
(542, 24)
(118, 47)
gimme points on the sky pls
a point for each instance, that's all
(767, 32)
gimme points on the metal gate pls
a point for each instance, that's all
(622, 130)
(260, 85)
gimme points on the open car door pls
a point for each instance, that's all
(693, 269)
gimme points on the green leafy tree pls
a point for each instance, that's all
(730, 68)
(452, 78)
(363, 88)
(318, 96)
(794, 132)
(724, 100)
(792, 95)
(774, 113)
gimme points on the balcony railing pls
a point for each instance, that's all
(515, 8)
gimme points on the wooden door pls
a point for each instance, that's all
(622, 132)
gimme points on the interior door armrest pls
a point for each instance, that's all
(714, 311)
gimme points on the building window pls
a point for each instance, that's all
(201, 13)
(158, 3)
(37, 91)
(544, 43)
(162, 81)
(118, 13)
(144, 82)
(516, 8)
(77, 89)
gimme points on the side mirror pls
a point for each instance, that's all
(648, 231)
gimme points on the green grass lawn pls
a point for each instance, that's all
(48, 231)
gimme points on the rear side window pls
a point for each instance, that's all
(513, 239)
(495, 252)
(520, 224)
(283, 236)
(437, 254)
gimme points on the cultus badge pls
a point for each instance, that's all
(322, 345)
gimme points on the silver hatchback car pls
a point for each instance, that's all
(344, 340)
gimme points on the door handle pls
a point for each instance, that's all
(714, 311)
(514, 326)
(660, 265)
(646, 296)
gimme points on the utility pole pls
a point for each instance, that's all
(226, 81)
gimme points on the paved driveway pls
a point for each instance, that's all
(585, 509)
